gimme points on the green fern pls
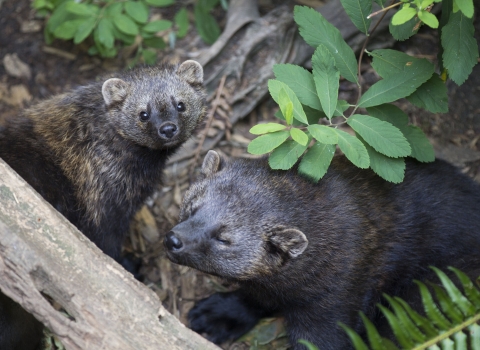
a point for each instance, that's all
(450, 323)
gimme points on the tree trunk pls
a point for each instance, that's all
(44, 257)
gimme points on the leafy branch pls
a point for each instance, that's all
(312, 112)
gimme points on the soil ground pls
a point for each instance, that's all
(41, 71)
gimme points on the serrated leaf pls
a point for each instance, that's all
(313, 115)
(388, 63)
(357, 11)
(157, 26)
(356, 340)
(422, 150)
(286, 155)
(67, 29)
(105, 32)
(84, 30)
(300, 81)
(403, 15)
(396, 86)
(454, 293)
(391, 114)
(316, 30)
(390, 169)
(431, 308)
(404, 31)
(274, 86)
(125, 24)
(266, 128)
(316, 161)
(286, 106)
(80, 9)
(181, 21)
(382, 136)
(460, 47)
(353, 149)
(267, 143)
(326, 77)
(400, 332)
(160, 3)
(466, 6)
(206, 25)
(428, 18)
(299, 136)
(431, 95)
(323, 134)
(137, 10)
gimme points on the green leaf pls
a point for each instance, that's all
(160, 3)
(460, 47)
(316, 30)
(398, 85)
(274, 86)
(155, 42)
(326, 78)
(299, 136)
(399, 331)
(373, 337)
(431, 308)
(390, 169)
(404, 31)
(357, 11)
(474, 336)
(388, 63)
(428, 18)
(422, 150)
(157, 26)
(266, 143)
(114, 9)
(381, 3)
(286, 106)
(266, 128)
(125, 24)
(323, 134)
(431, 95)
(313, 115)
(286, 155)
(181, 21)
(81, 9)
(391, 114)
(316, 161)
(105, 32)
(307, 344)
(356, 340)
(405, 320)
(466, 6)
(382, 136)
(300, 81)
(422, 322)
(403, 15)
(137, 10)
(67, 29)
(454, 293)
(353, 149)
(149, 57)
(472, 293)
(341, 107)
(446, 304)
(206, 24)
(84, 30)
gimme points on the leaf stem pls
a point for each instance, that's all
(385, 9)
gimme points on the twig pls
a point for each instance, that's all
(385, 9)
(215, 104)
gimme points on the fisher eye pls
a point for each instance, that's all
(144, 116)
(180, 107)
(217, 235)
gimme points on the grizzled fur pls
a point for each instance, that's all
(319, 253)
(97, 152)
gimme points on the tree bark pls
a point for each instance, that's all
(43, 256)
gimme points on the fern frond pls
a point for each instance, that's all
(451, 322)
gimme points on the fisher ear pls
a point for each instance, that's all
(191, 71)
(211, 164)
(289, 240)
(114, 90)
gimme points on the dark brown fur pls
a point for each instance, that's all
(97, 152)
(319, 253)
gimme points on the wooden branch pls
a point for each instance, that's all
(42, 253)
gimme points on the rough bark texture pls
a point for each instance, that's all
(42, 254)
